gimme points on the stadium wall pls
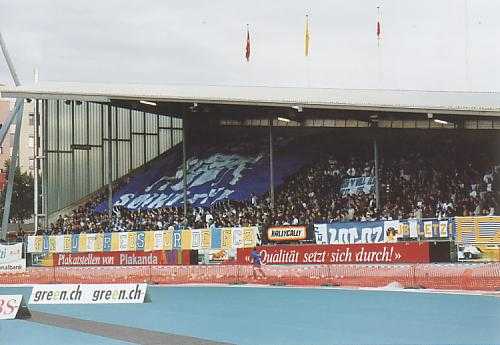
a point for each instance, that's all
(75, 137)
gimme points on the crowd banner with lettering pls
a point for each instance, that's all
(357, 185)
(349, 232)
(11, 258)
(383, 231)
(478, 238)
(409, 252)
(212, 176)
(287, 233)
(441, 229)
(147, 241)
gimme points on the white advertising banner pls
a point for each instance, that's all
(11, 258)
(16, 266)
(443, 228)
(9, 306)
(88, 293)
(391, 231)
(91, 238)
(10, 252)
(238, 238)
(196, 239)
(428, 229)
(413, 223)
(123, 241)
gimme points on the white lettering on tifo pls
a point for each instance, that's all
(124, 199)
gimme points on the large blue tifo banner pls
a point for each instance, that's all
(212, 177)
(382, 231)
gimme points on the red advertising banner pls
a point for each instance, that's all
(409, 252)
(129, 258)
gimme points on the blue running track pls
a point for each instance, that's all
(259, 316)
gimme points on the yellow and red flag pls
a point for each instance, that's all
(306, 37)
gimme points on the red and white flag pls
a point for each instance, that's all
(247, 48)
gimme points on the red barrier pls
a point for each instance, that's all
(436, 276)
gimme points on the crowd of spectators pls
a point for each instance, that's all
(421, 180)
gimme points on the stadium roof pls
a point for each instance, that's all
(449, 102)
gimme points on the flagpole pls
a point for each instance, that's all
(467, 71)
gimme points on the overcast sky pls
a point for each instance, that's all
(427, 44)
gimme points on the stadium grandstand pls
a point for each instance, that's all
(138, 187)
(222, 214)
(214, 156)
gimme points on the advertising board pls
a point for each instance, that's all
(88, 293)
(342, 253)
(287, 233)
(11, 258)
(128, 258)
(9, 306)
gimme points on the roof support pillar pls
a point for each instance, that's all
(12, 171)
(184, 165)
(377, 182)
(271, 165)
(110, 170)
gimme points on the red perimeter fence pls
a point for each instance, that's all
(435, 276)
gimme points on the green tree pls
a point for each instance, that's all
(21, 207)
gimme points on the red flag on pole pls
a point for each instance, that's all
(379, 31)
(247, 48)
